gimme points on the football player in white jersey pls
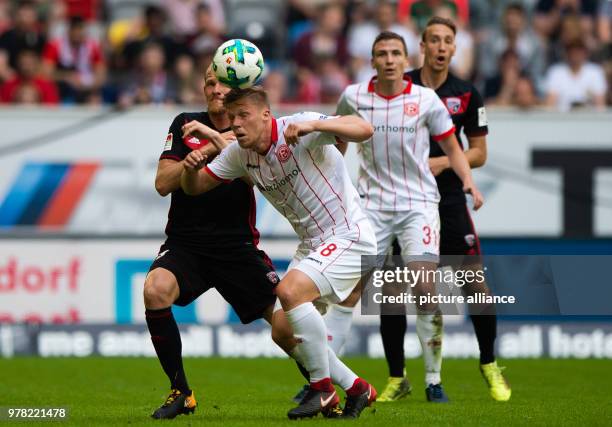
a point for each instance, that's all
(398, 190)
(295, 165)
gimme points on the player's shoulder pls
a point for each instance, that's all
(459, 82)
(302, 116)
(354, 88)
(456, 86)
(414, 75)
(353, 91)
(423, 91)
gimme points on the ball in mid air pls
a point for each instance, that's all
(238, 63)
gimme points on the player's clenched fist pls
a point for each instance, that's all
(295, 130)
(476, 195)
(197, 129)
(195, 160)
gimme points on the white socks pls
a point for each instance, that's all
(307, 352)
(429, 329)
(310, 331)
(338, 320)
(340, 373)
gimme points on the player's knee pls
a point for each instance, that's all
(160, 290)
(296, 288)
(286, 293)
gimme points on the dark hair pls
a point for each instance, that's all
(255, 93)
(438, 20)
(389, 35)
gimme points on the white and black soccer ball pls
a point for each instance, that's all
(238, 63)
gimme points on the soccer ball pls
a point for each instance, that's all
(238, 63)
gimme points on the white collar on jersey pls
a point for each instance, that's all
(407, 89)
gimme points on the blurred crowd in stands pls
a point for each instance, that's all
(555, 53)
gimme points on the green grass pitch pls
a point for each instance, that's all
(256, 392)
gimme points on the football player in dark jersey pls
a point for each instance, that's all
(207, 237)
(457, 233)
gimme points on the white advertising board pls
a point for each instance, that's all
(86, 171)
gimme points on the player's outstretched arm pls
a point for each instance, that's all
(460, 165)
(349, 128)
(193, 180)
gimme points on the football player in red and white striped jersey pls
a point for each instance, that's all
(294, 163)
(398, 189)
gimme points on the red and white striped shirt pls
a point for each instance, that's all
(394, 172)
(308, 183)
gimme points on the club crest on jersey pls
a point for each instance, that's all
(411, 109)
(453, 105)
(194, 143)
(273, 277)
(470, 239)
(283, 153)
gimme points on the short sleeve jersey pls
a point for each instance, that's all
(467, 110)
(223, 217)
(394, 170)
(307, 183)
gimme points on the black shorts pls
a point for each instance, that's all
(245, 277)
(457, 233)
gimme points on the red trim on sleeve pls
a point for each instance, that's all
(211, 173)
(444, 135)
(170, 157)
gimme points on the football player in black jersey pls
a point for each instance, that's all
(207, 237)
(457, 233)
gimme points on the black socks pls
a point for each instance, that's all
(167, 342)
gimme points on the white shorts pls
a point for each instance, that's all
(335, 266)
(417, 231)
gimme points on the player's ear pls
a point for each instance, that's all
(422, 46)
(406, 61)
